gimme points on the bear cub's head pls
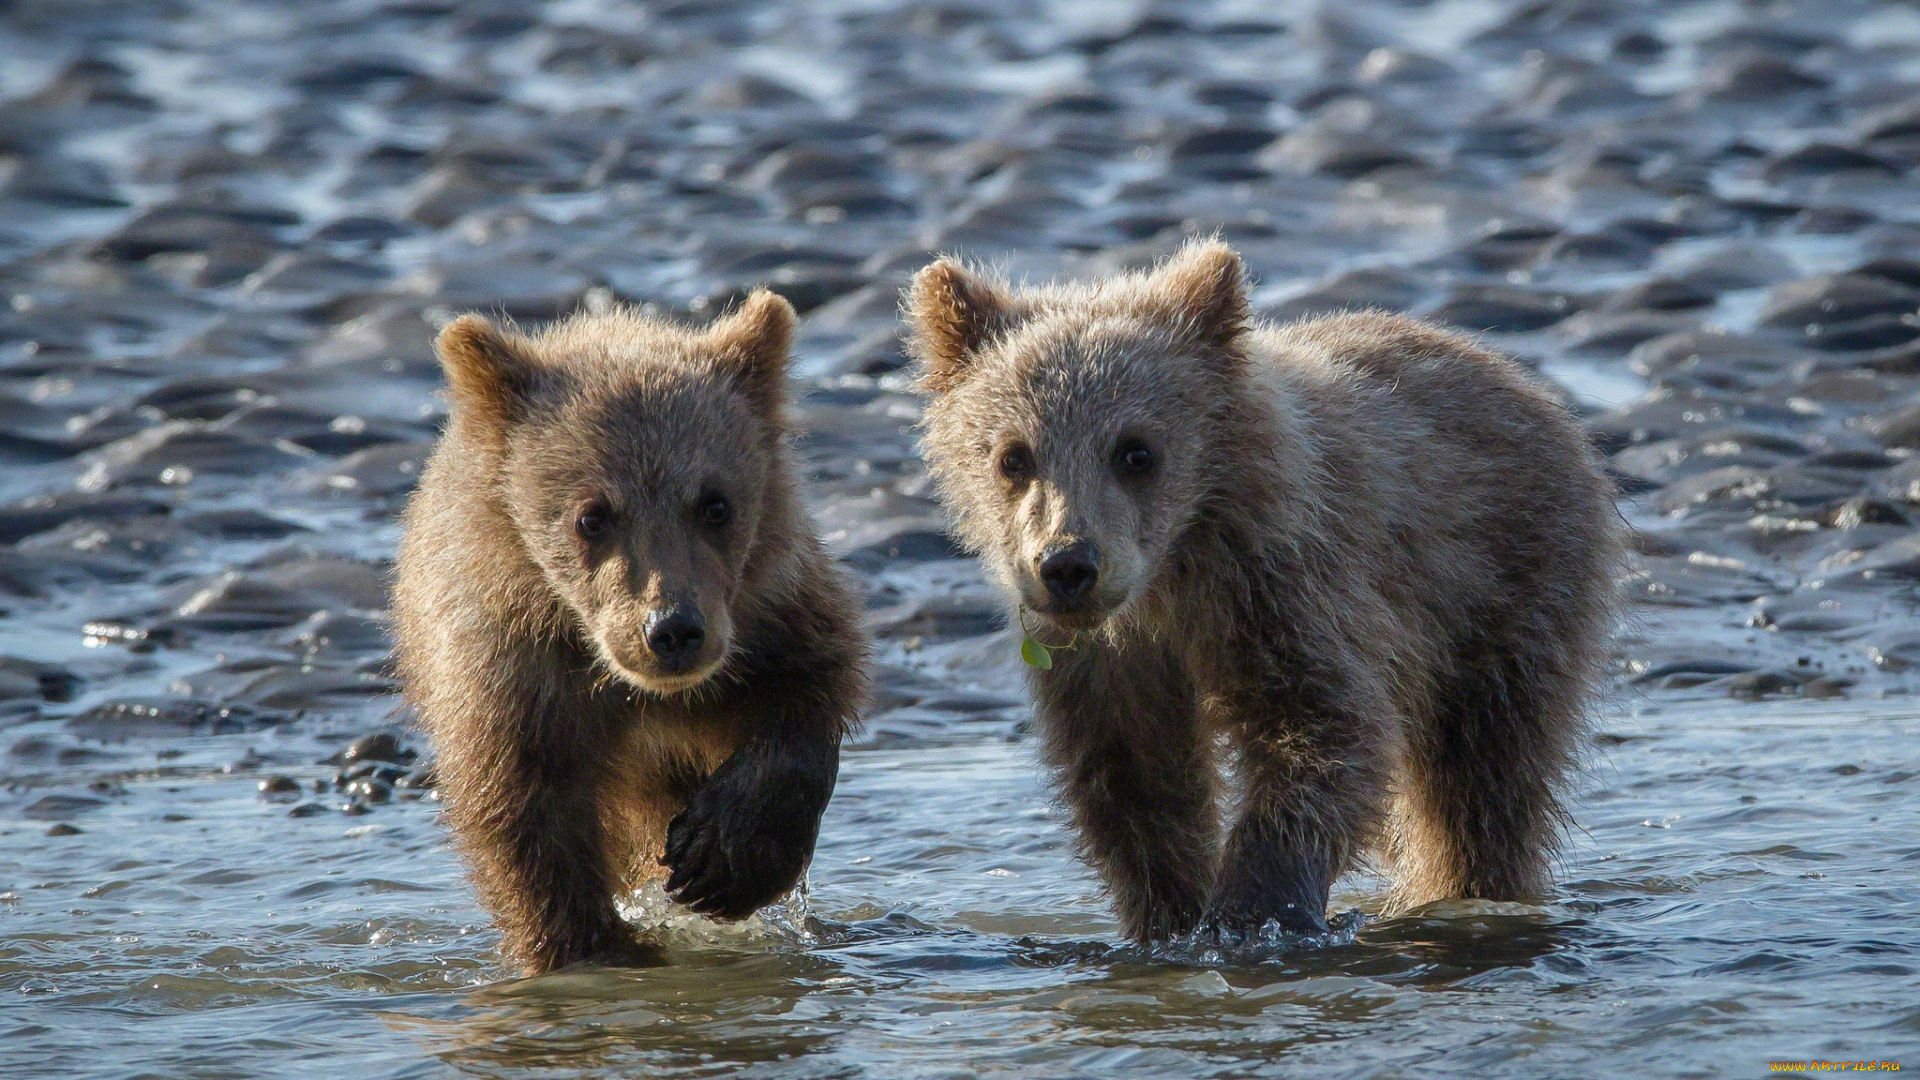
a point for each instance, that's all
(640, 464)
(1071, 427)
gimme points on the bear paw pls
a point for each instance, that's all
(1237, 926)
(734, 850)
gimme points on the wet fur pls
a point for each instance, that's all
(565, 781)
(1383, 585)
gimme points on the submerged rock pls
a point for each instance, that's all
(165, 717)
(379, 746)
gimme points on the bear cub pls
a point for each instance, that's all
(618, 626)
(1360, 560)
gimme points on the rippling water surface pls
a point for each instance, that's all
(228, 231)
(1742, 890)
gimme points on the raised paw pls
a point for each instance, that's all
(746, 836)
(729, 869)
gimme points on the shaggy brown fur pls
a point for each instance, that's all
(1370, 558)
(618, 626)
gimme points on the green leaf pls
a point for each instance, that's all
(1036, 654)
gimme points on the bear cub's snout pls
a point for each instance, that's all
(1069, 572)
(675, 636)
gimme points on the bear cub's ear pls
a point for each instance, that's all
(953, 313)
(1204, 287)
(752, 346)
(487, 378)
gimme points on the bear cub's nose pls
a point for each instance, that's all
(1069, 572)
(675, 635)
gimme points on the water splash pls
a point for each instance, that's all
(781, 924)
(1269, 944)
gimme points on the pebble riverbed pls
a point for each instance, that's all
(229, 230)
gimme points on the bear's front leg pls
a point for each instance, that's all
(1314, 763)
(522, 785)
(1269, 872)
(747, 834)
(1119, 729)
(551, 882)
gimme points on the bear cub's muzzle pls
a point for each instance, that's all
(1070, 573)
(676, 636)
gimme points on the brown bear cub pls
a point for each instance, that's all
(1368, 560)
(618, 626)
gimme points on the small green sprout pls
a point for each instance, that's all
(1035, 654)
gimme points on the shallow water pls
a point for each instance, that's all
(229, 229)
(1742, 890)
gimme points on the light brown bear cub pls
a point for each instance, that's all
(618, 626)
(1368, 558)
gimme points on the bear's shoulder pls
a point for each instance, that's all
(1374, 343)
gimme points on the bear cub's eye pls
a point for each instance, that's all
(1133, 456)
(594, 521)
(1016, 462)
(715, 511)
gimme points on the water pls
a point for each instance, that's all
(1742, 889)
(228, 231)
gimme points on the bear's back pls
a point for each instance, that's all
(1445, 462)
(1451, 409)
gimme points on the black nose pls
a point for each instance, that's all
(675, 635)
(1069, 572)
